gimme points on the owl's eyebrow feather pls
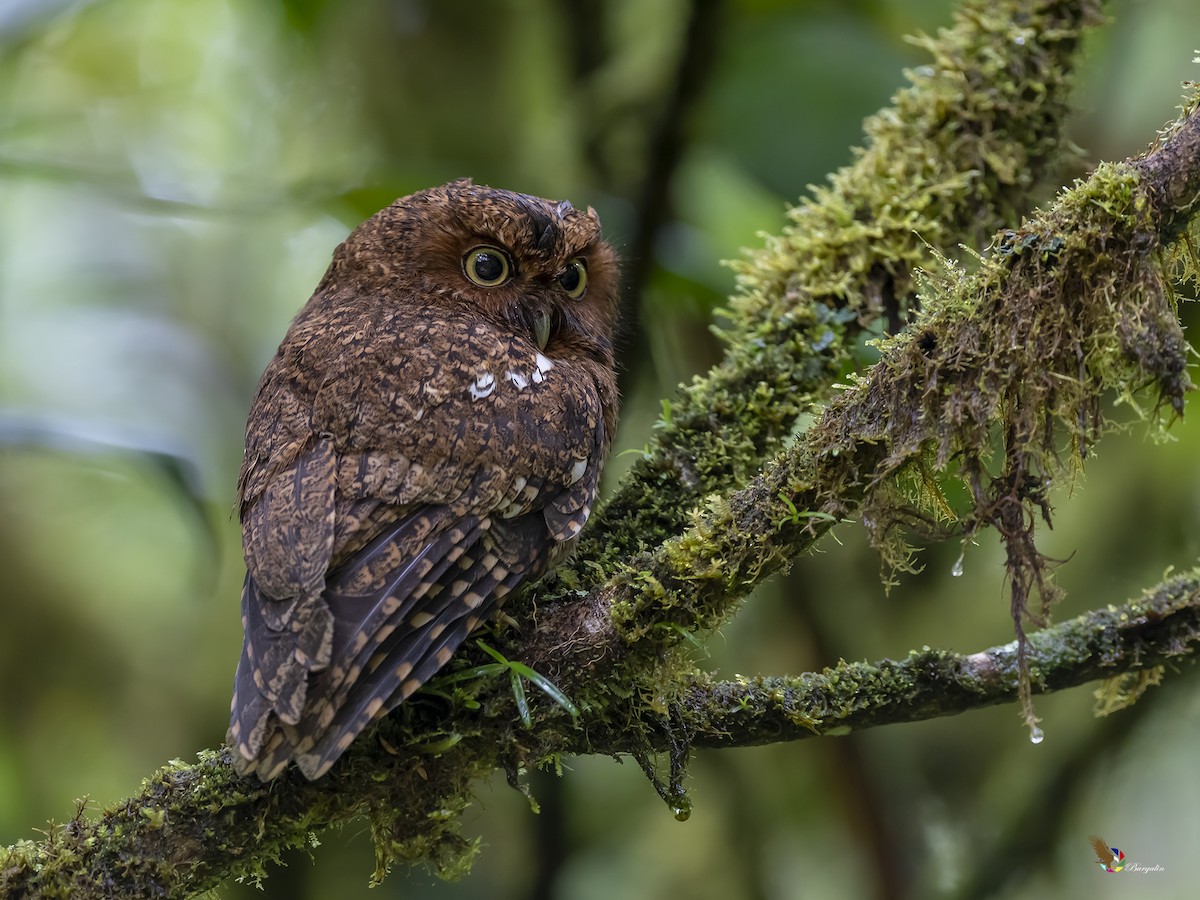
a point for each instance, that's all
(546, 227)
(551, 235)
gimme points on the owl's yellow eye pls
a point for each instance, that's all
(487, 266)
(573, 279)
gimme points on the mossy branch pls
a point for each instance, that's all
(1000, 371)
(192, 825)
(1126, 645)
(950, 160)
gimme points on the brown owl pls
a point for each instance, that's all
(428, 438)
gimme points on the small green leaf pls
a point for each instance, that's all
(519, 670)
(548, 687)
(484, 671)
(494, 654)
(522, 702)
(686, 635)
(441, 746)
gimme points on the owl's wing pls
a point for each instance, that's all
(292, 529)
(401, 606)
(417, 637)
(400, 554)
(400, 612)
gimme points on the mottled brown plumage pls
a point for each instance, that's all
(428, 438)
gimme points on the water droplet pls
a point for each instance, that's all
(1036, 735)
(682, 813)
(957, 570)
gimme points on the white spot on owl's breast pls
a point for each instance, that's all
(483, 386)
(542, 365)
(521, 379)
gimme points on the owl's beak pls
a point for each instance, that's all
(541, 328)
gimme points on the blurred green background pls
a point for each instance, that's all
(173, 178)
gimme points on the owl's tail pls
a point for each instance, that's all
(401, 606)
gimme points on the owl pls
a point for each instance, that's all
(428, 438)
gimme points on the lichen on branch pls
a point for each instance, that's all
(1135, 638)
(998, 383)
(951, 159)
(192, 825)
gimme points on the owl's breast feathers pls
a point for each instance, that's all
(391, 498)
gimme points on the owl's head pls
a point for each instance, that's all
(520, 260)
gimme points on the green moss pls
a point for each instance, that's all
(1125, 689)
(1001, 370)
(1135, 639)
(953, 157)
(992, 396)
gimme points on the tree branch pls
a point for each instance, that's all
(1022, 352)
(952, 159)
(1115, 641)
(179, 834)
